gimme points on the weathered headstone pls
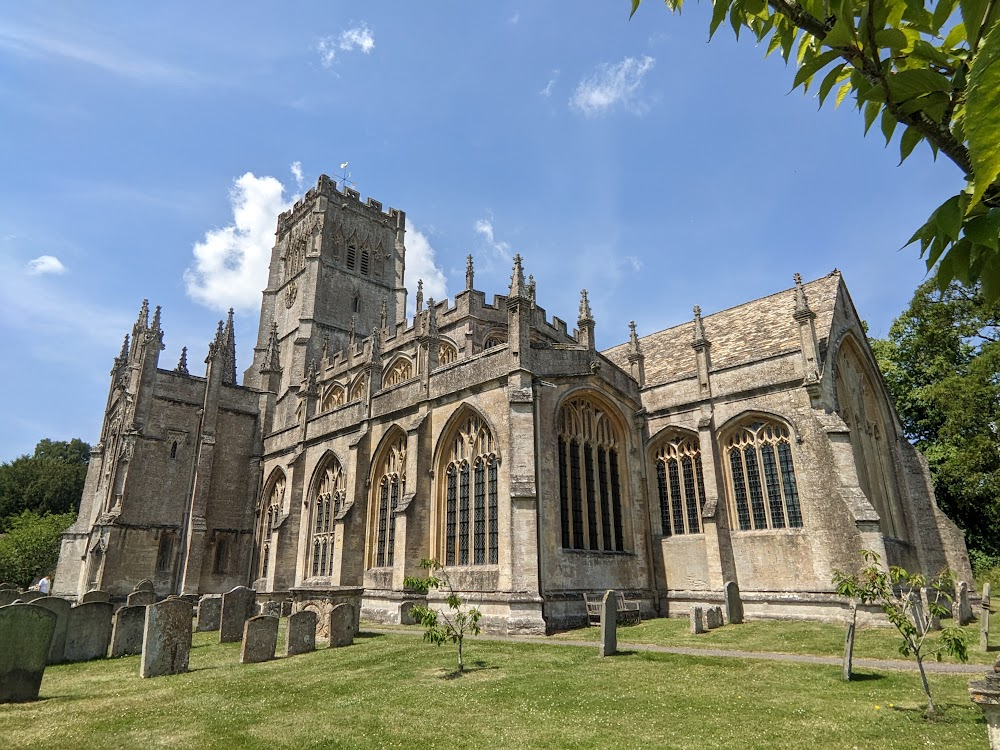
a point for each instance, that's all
(609, 624)
(26, 634)
(145, 585)
(209, 612)
(300, 637)
(713, 618)
(926, 596)
(61, 609)
(9, 596)
(286, 608)
(734, 603)
(849, 641)
(341, 625)
(30, 596)
(127, 630)
(260, 637)
(88, 631)
(697, 621)
(964, 616)
(237, 607)
(5, 586)
(271, 609)
(141, 599)
(166, 638)
(406, 613)
(984, 619)
(95, 595)
(986, 695)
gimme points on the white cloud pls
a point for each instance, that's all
(514, 18)
(612, 85)
(484, 227)
(634, 262)
(356, 38)
(547, 91)
(420, 265)
(45, 264)
(296, 168)
(230, 264)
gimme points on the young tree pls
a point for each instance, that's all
(897, 594)
(932, 66)
(941, 364)
(439, 626)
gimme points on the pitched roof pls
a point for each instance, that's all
(754, 330)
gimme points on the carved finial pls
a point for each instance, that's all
(229, 351)
(124, 355)
(432, 318)
(182, 364)
(376, 353)
(143, 321)
(420, 295)
(632, 337)
(699, 328)
(384, 314)
(801, 303)
(353, 333)
(156, 319)
(312, 379)
(469, 273)
(517, 279)
(586, 316)
(325, 353)
(272, 357)
(218, 332)
(531, 289)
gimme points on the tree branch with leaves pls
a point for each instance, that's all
(441, 626)
(932, 66)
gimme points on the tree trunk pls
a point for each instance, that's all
(927, 687)
(461, 666)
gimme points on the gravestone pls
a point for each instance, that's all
(166, 638)
(849, 642)
(127, 630)
(88, 631)
(962, 600)
(209, 612)
(260, 637)
(95, 595)
(286, 608)
(609, 624)
(713, 618)
(341, 625)
(271, 609)
(30, 596)
(734, 603)
(984, 619)
(300, 636)
(26, 634)
(934, 621)
(9, 596)
(141, 599)
(986, 695)
(237, 607)
(7, 586)
(144, 585)
(406, 613)
(61, 609)
(697, 621)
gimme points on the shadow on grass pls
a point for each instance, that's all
(368, 634)
(866, 676)
(477, 666)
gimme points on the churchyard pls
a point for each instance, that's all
(391, 690)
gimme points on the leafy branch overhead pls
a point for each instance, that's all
(931, 67)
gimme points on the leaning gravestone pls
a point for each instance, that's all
(260, 637)
(209, 612)
(61, 609)
(984, 619)
(609, 624)
(166, 638)
(30, 596)
(301, 634)
(144, 585)
(734, 604)
(697, 621)
(9, 596)
(713, 618)
(88, 631)
(341, 625)
(406, 613)
(127, 631)
(237, 607)
(965, 615)
(141, 599)
(95, 595)
(26, 634)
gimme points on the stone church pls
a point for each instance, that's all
(755, 445)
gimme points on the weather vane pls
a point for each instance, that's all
(345, 175)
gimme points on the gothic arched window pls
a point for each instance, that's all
(468, 500)
(357, 390)
(352, 256)
(267, 519)
(447, 353)
(758, 459)
(388, 487)
(399, 371)
(333, 397)
(590, 488)
(331, 491)
(494, 340)
(680, 483)
(365, 261)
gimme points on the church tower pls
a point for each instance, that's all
(336, 268)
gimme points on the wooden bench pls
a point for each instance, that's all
(627, 609)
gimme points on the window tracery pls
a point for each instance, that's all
(764, 492)
(590, 493)
(680, 483)
(333, 397)
(494, 340)
(399, 371)
(267, 520)
(388, 487)
(330, 495)
(447, 353)
(357, 390)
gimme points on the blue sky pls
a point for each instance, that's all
(146, 149)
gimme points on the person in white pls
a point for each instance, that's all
(43, 585)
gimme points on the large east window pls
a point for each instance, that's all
(764, 493)
(680, 484)
(470, 503)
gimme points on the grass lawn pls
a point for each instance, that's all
(821, 639)
(394, 691)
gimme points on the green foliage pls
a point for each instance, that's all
(941, 364)
(439, 626)
(986, 568)
(932, 66)
(30, 547)
(50, 481)
(897, 594)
